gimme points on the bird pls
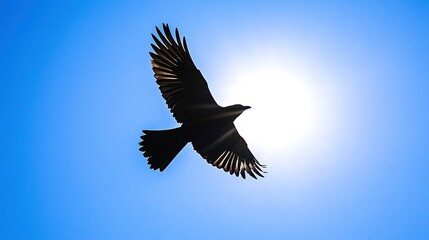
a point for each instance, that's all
(205, 124)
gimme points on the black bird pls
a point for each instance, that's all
(208, 126)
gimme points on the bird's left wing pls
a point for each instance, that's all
(182, 85)
(227, 150)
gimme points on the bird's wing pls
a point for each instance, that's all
(182, 85)
(227, 150)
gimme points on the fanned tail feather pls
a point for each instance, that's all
(160, 147)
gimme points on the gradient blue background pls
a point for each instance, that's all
(77, 88)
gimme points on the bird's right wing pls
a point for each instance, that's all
(227, 150)
(182, 85)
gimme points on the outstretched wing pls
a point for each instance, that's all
(226, 149)
(182, 85)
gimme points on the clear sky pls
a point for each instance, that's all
(339, 93)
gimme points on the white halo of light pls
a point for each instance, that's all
(286, 107)
(288, 113)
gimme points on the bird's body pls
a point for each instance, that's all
(208, 126)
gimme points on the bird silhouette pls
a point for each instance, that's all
(208, 126)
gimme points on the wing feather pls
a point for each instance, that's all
(228, 151)
(181, 84)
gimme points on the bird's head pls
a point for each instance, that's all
(236, 110)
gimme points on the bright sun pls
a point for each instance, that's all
(286, 108)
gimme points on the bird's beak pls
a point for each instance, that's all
(246, 107)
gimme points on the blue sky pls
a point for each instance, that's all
(77, 89)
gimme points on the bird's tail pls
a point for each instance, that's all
(160, 147)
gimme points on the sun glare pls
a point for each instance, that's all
(286, 108)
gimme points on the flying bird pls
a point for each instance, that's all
(208, 126)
